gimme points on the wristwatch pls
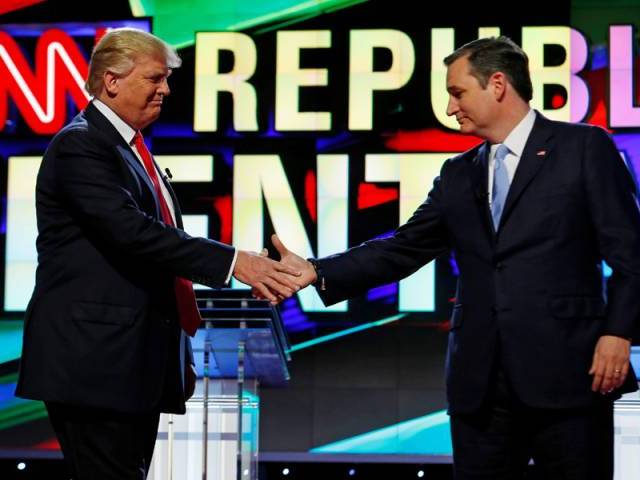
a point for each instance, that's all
(319, 283)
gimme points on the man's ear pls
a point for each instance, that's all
(111, 83)
(498, 85)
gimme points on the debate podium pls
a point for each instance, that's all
(241, 346)
(626, 419)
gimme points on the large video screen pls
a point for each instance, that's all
(324, 122)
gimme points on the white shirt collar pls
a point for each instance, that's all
(517, 138)
(120, 125)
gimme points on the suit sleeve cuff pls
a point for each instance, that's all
(233, 265)
(320, 282)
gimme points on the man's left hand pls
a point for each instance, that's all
(190, 376)
(610, 363)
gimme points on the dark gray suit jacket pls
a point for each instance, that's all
(101, 329)
(530, 295)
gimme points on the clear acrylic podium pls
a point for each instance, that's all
(626, 418)
(241, 346)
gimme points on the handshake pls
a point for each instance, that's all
(271, 280)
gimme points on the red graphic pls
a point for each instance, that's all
(51, 444)
(597, 81)
(100, 32)
(558, 101)
(10, 5)
(60, 68)
(431, 140)
(222, 205)
(370, 195)
(310, 195)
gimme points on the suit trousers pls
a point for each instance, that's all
(498, 441)
(100, 444)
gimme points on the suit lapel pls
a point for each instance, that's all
(121, 147)
(535, 152)
(174, 199)
(127, 154)
(480, 185)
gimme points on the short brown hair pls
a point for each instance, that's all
(490, 55)
(118, 50)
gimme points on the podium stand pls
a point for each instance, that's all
(626, 417)
(241, 346)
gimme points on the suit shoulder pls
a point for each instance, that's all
(78, 125)
(463, 159)
(468, 154)
(583, 130)
(77, 136)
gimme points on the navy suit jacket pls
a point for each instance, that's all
(530, 295)
(101, 329)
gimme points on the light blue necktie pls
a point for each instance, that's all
(500, 185)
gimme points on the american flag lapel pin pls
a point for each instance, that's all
(541, 153)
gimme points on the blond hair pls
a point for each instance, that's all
(118, 50)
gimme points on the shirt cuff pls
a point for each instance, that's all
(319, 283)
(233, 265)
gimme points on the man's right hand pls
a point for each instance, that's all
(270, 278)
(287, 257)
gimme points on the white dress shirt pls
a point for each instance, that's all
(127, 133)
(515, 141)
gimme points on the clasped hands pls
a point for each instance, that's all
(272, 280)
(275, 281)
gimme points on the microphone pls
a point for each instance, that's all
(168, 173)
(481, 195)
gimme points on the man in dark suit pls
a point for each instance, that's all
(537, 350)
(104, 338)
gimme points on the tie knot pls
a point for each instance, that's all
(501, 152)
(137, 139)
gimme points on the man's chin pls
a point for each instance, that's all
(148, 120)
(153, 115)
(467, 128)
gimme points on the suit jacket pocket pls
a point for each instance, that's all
(577, 307)
(456, 317)
(103, 313)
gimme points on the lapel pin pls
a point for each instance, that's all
(541, 153)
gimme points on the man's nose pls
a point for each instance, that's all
(452, 106)
(164, 88)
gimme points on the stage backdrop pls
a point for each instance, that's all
(325, 123)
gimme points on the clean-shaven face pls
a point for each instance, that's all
(473, 106)
(140, 93)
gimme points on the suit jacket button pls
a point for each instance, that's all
(499, 266)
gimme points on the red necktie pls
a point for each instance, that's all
(185, 298)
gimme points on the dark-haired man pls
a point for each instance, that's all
(537, 352)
